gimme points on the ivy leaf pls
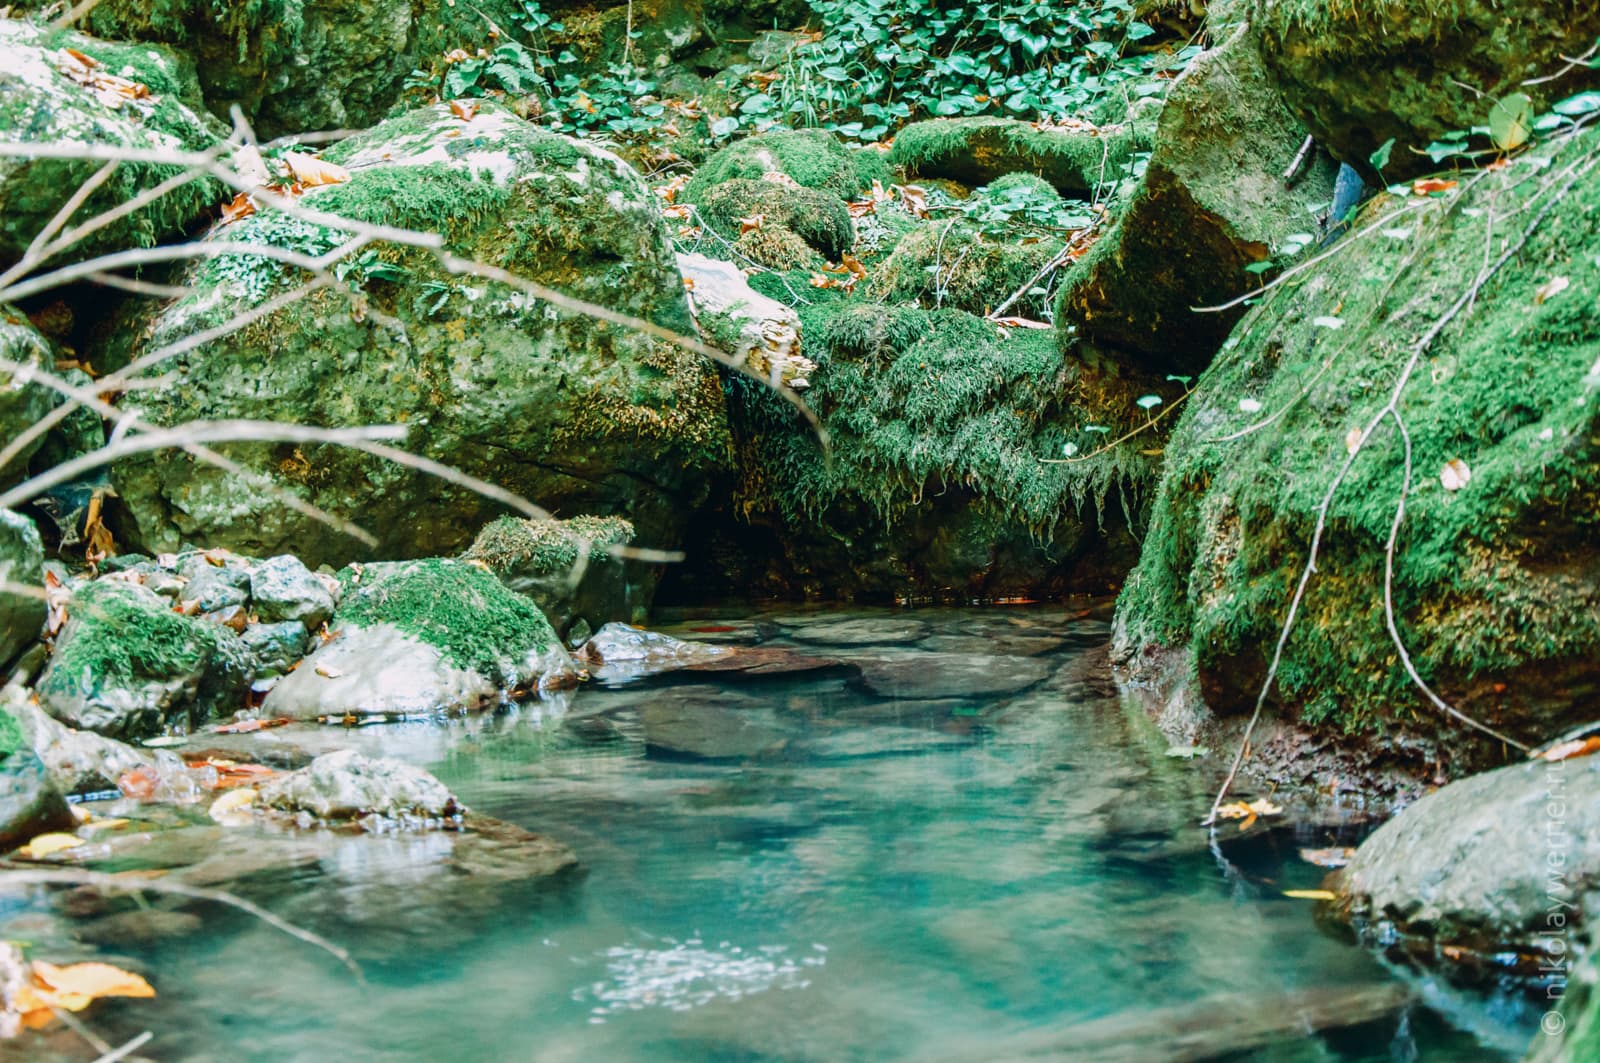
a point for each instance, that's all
(1380, 158)
(1511, 121)
(1582, 103)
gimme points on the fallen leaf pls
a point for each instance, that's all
(311, 171)
(232, 802)
(238, 208)
(45, 844)
(165, 742)
(247, 726)
(853, 264)
(1455, 475)
(1311, 895)
(1578, 747)
(1352, 440)
(1337, 857)
(1428, 186)
(1550, 289)
(1019, 322)
(90, 981)
(463, 109)
(138, 783)
(751, 223)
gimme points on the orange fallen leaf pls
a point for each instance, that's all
(73, 988)
(311, 171)
(1428, 186)
(139, 783)
(247, 726)
(1578, 747)
(751, 223)
(238, 208)
(463, 109)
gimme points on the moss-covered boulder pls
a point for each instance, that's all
(1212, 202)
(570, 412)
(819, 218)
(128, 666)
(132, 96)
(976, 151)
(810, 158)
(1414, 70)
(30, 804)
(955, 264)
(940, 482)
(1496, 583)
(421, 638)
(21, 565)
(567, 568)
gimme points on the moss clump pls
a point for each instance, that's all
(1496, 585)
(778, 248)
(812, 158)
(545, 547)
(11, 736)
(122, 637)
(955, 265)
(977, 151)
(820, 219)
(454, 606)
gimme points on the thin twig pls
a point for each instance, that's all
(1151, 423)
(127, 1049)
(1044, 271)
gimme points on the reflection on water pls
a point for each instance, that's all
(955, 876)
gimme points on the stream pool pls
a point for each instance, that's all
(948, 874)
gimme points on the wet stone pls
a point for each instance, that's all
(284, 589)
(867, 632)
(951, 675)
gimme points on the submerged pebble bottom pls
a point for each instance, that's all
(685, 975)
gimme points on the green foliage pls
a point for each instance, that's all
(121, 638)
(456, 607)
(879, 63)
(1492, 580)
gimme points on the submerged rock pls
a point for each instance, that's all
(21, 563)
(49, 95)
(422, 638)
(687, 728)
(579, 415)
(1212, 202)
(1362, 74)
(618, 652)
(951, 675)
(127, 666)
(864, 632)
(347, 785)
(1483, 862)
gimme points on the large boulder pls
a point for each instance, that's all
(68, 88)
(1212, 203)
(1496, 585)
(128, 666)
(22, 615)
(29, 804)
(347, 785)
(567, 568)
(1362, 74)
(572, 413)
(809, 158)
(423, 638)
(1481, 863)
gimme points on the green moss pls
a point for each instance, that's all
(820, 219)
(545, 547)
(814, 159)
(919, 402)
(976, 151)
(456, 607)
(122, 638)
(11, 736)
(954, 265)
(778, 248)
(1493, 581)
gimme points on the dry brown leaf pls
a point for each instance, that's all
(464, 109)
(1428, 186)
(238, 208)
(1455, 475)
(1311, 895)
(1352, 440)
(1578, 747)
(311, 172)
(1020, 322)
(751, 223)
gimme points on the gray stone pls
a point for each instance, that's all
(128, 666)
(378, 671)
(80, 762)
(275, 648)
(21, 563)
(347, 785)
(1470, 863)
(698, 730)
(282, 588)
(951, 675)
(29, 803)
(212, 587)
(619, 652)
(871, 632)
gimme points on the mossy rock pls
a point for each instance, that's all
(1360, 74)
(40, 103)
(976, 151)
(953, 264)
(938, 422)
(570, 412)
(439, 635)
(129, 667)
(1497, 584)
(566, 567)
(1212, 203)
(1577, 1038)
(22, 616)
(778, 248)
(811, 158)
(21, 404)
(820, 219)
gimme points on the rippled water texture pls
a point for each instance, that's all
(941, 877)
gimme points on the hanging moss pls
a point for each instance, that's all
(456, 607)
(1497, 585)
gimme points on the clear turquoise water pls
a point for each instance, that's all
(963, 879)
